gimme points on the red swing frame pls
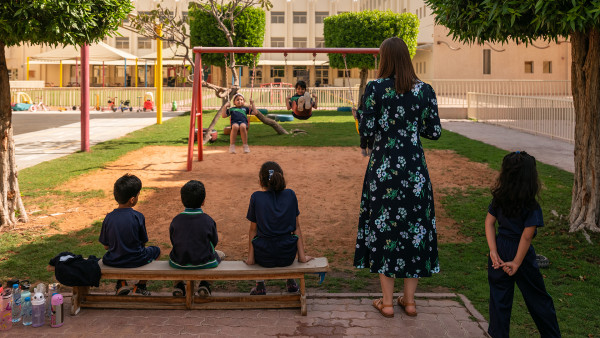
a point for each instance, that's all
(196, 110)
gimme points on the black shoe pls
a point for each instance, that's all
(121, 289)
(291, 285)
(259, 289)
(140, 289)
(179, 290)
(204, 289)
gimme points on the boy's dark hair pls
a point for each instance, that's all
(517, 185)
(271, 177)
(126, 187)
(193, 194)
(301, 84)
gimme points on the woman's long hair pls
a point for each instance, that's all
(517, 185)
(271, 177)
(395, 63)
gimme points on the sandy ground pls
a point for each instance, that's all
(327, 181)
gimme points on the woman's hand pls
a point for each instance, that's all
(305, 259)
(249, 261)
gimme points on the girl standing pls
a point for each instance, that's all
(275, 236)
(512, 257)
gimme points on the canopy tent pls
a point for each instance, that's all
(99, 54)
(171, 56)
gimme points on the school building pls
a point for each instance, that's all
(299, 23)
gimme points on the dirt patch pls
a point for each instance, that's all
(327, 181)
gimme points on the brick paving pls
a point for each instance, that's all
(331, 315)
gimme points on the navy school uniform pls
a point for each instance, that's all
(238, 115)
(528, 277)
(194, 238)
(124, 232)
(275, 214)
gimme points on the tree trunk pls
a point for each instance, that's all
(272, 123)
(585, 83)
(10, 195)
(363, 84)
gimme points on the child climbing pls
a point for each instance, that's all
(239, 120)
(302, 103)
(512, 257)
(275, 236)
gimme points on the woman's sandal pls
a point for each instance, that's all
(403, 304)
(378, 304)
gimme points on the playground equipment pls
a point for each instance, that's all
(39, 105)
(196, 109)
(112, 104)
(148, 101)
(125, 105)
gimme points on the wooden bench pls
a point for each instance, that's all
(227, 270)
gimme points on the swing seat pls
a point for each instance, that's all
(253, 118)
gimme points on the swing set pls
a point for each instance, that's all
(196, 109)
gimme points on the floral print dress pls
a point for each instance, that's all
(396, 230)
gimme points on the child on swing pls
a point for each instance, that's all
(239, 120)
(275, 236)
(302, 102)
(512, 257)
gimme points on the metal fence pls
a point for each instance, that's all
(552, 117)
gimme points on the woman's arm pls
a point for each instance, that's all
(431, 127)
(302, 257)
(511, 267)
(490, 235)
(251, 235)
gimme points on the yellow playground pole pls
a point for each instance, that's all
(60, 75)
(136, 72)
(159, 79)
(27, 73)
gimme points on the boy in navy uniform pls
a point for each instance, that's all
(124, 234)
(194, 237)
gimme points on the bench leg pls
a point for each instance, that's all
(189, 294)
(79, 293)
(303, 309)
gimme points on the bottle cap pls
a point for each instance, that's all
(27, 299)
(57, 299)
(15, 286)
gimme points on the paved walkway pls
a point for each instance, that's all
(546, 150)
(330, 315)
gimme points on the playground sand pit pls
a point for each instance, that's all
(327, 181)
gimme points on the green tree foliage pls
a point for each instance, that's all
(249, 32)
(367, 29)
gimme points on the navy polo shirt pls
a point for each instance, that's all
(273, 212)
(124, 232)
(513, 227)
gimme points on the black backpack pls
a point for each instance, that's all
(73, 270)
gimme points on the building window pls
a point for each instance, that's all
(528, 67)
(144, 43)
(547, 67)
(122, 42)
(257, 78)
(487, 61)
(277, 71)
(13, 74)
(299, 43)
(320, 42)
(319, 16)
(278, 42)
(299, 17)
(340, 73)
(300, 71)
(277, 17)
(424, 67)
(321, 75)
(342, 12)
(185, 17)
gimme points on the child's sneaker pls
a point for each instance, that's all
(179, 290)
(204, 289)
(307, 101)
(259, 289)
(121, 289)
(291, 285)
(364, 152)
(232, 149)
(140, 289)
(300, 104)
(246, 148)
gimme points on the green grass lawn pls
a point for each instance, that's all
(572, 279)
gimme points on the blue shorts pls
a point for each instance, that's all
(149, 254)
(271, 252)
(239, 121)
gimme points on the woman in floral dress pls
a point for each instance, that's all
(396, 232)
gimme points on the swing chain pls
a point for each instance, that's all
(347, 76)
(228, 91)
(253, 76)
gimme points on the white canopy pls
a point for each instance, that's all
(99, 52)
(171, 56)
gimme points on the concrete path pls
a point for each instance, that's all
(329, 315)
(544, 149)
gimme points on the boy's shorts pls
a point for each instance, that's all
(149, 254)
(239, 121)
(271, 252)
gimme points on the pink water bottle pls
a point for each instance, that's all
(5, 311)
(57, 319)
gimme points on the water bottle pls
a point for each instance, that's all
(26, 311)
(39, 306)
(52, 289)
(57, 318)
(16, 303)
(6, 311)
(25, 289)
